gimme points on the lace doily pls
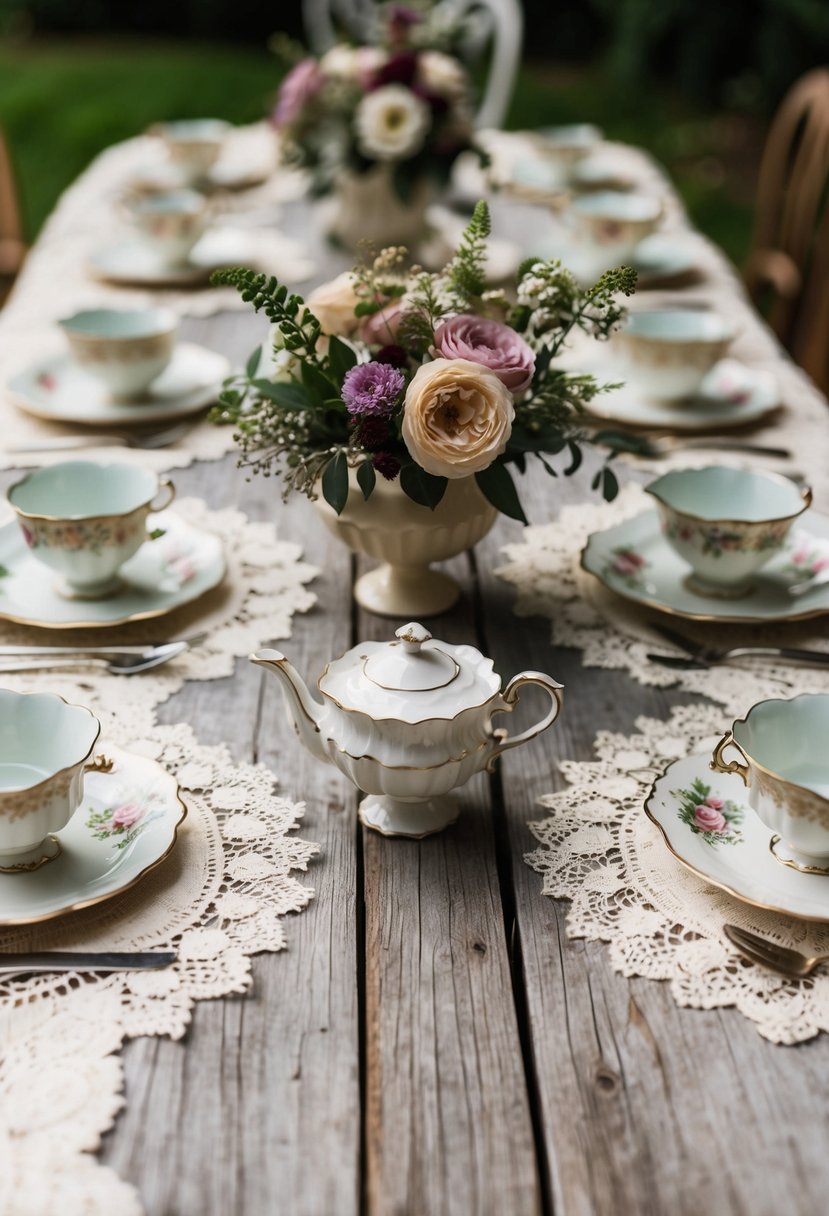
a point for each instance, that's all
(55, 280)
(599, 850)
(612, 632)
(264, 586)
(220, 897)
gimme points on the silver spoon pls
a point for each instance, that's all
(118, 665)
(149, 441)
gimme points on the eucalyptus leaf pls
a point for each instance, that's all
(497, 486)
(576, 458)
(421, 486)
(335, 482)
(366, 477)
(341, 358)
(318, 387)
(287, 394)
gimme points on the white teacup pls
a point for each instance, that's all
(786, 770)
(84, 520)
(726, 523)
(44, 746)
(194, 145)
(170, 223)
(125, 348)
(669, 351)
(569, 143)
(613, 222)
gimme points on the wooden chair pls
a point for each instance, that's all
(787, 271)
(498, 23)
(12, 244)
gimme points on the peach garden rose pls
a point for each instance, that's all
(457, 417)
(333, 305)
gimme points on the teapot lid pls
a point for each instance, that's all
(411, 679)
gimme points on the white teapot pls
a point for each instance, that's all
(407, 721)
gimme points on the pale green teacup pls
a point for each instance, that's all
(124, 348)
(669, 351)
(170, 223)
(726, 523)
(613, 222)
(84, 520)
(44, 748)
(194, 145)
(786, 770)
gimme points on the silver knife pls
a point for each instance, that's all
(18, 964)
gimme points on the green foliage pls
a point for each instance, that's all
(465, 275)
(421, 486)
(335, 482)
(299, 327)
(497, 486)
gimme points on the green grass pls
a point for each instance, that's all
(61, 102)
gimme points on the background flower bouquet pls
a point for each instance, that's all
(382, 125)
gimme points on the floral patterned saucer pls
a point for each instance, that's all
(732, 395)
(125, 826)
(708, 825)
(634, 560)
(178, 565)
(58, 390)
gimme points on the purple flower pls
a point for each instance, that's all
(372, 432)
(372, 388)
(301, 84)
(386, 464)
(400, 69)
(394, 355)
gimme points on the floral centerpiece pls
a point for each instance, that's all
(381, 126)
(426, 389)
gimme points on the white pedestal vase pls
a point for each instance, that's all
(407, 538)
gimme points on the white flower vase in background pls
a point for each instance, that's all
(367, 208)
(406, 538)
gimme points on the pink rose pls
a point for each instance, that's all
(707, 819)
(490, 343)
(716, 803)
(383, 328)
(128, 814)
(302, 83)
(820, 564)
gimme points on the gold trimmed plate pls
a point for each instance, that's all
(634, 560)
(179, 566)
(126, 825)
(706, 822)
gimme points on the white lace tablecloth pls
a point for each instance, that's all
(599, 850)
(55, 280)
(219, 898)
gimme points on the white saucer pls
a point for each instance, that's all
(732, 395)
(98, 859)
(656, 258)
(60, 391)
(166, 573)
(738, 860)
(634, 560)
(225, 175)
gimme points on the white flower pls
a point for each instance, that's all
(341, 60)
(442, 75)
(391, 123)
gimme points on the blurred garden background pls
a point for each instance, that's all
(693, 81)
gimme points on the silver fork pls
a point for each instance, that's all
(699, 656)
(116, 664)
(782, 959)
(147, 441)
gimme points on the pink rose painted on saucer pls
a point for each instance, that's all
(717, 820)
(709, 819)
(126, 815)
(493, 345)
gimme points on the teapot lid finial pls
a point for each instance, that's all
(412, 636)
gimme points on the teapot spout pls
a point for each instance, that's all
(303, 711)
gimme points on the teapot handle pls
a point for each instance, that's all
(555, 692)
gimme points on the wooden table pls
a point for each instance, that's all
(431, 1042)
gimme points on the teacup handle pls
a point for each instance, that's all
(164, 485)
(728, 766)
(806, 495)
(99, 764)
(509, 699)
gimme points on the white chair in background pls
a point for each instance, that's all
(497, 23)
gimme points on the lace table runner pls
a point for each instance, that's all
(220, 897)
(598, 849)
(613, 632)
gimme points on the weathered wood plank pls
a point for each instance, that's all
(448, 1121)
(258, 1109)
(646, 1108)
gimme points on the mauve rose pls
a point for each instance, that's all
(301, 84)
(490, 343)
(707, 819)
(128, 814)
(383, 327)
(716, 803)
